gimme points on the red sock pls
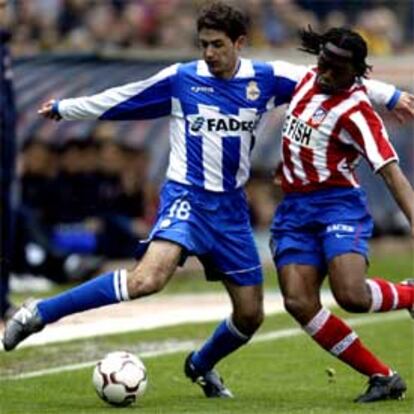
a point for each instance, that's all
(387, 296)
(332, 334)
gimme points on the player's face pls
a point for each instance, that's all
(219, 52)
(334, 75)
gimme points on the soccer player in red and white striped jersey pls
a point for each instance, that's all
(325, 136)
(323, 226)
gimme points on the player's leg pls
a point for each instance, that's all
(229, 336)
(355, 293)
(236, 330)
(346, 252)
(298, 257)
(348, 284)
(149, 276)
(295, 249)
(300, 287)
(171, 235)
(247, 303)
(232, 259)
(386, 296)
(407, 282)
(345, 246)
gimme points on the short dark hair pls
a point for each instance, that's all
(313, 43)
(224, 18)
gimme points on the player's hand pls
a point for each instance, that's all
(46, 110)
(404, 109)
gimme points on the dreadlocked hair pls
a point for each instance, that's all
(312, 42)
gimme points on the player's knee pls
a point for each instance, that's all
(256, 319)
(353, 300)
(300, 307)
(249, 320)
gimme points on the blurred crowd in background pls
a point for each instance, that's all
(96, 25)
(80, 200)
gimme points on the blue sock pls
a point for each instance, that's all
(103, 290)
(225, 340)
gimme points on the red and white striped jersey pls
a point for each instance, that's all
(325, 136)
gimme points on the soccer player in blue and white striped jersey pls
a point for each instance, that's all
(214, 105)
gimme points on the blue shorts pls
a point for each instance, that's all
(313, 228)
(215, 227)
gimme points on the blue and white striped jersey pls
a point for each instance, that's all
(212, 121)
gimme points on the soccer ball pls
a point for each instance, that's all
(120, 378)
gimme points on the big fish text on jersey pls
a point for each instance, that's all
(298, 131)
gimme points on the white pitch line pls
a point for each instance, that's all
(149, 313)
(166, 350)
(186, 346)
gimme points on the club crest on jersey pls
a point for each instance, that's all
(252, 91)
(318, 117)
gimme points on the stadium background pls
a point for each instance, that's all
(66, 48)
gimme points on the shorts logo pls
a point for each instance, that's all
(345, 228)
(252, 91)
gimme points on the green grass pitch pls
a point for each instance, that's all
(283, 376)
(286, 375)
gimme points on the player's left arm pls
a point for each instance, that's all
(401, 190)
(286, 76)
(401, 103)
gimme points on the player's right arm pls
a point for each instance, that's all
(401, 190)
(146, 99)
(367, 133)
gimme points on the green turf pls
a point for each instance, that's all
(283, 376)
(395, 267)
(77, 351)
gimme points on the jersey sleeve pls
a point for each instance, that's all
(286, 77)
(367, 133)
(146, 99)
(382, 94)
